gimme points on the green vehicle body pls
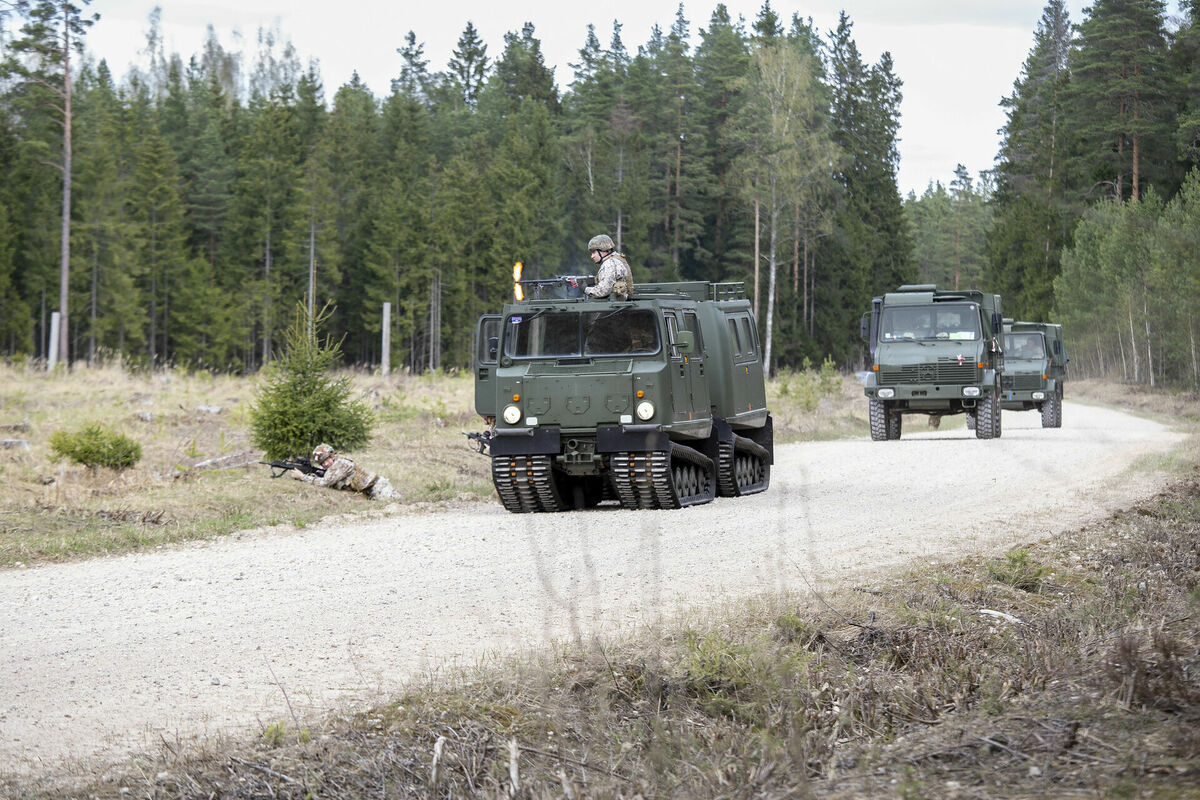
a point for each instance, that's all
(658, 401)
(934, 353)
(1035, 369)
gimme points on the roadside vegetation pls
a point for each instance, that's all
(198, 476)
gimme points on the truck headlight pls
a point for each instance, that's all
(1039, 395)
(512, 415)
(970, 391)
(645, 410)
(885, 393)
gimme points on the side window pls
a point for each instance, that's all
(749, 336)
(672, 329)
(488, 340)
(734, 339)
(692, 323)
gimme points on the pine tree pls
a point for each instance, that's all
(1037, 199)
(1120, 86)
(53, 30)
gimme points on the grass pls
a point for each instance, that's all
(198, 477)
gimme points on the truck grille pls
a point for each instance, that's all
(945, 370)
(1019, 383)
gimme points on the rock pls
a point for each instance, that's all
(16, 427)
(14, 444)
(209, 409)
(145, 416)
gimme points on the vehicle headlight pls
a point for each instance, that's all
(512, 415)
(1039, 395)
(970, 391)
(887, 393)
(645, 410)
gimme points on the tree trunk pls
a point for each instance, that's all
(756, 255)
(64, 279)
(772, 265)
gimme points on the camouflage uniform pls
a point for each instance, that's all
(614, 277)
(343, 473)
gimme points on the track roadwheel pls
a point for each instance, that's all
(878, 414)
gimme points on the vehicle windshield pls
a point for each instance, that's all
(1024, 346)
(941, 321)
(568, 334)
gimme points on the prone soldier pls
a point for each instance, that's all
(340, 472)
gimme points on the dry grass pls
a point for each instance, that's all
(199, 477)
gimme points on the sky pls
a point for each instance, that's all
(956, 58)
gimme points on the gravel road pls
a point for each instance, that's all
(110, 656)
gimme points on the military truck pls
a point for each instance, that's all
(657, 401)
(1035, 370)
(934, 353)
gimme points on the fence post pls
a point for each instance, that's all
(52, 356)
(387, 339)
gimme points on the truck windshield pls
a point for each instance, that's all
(567, 334)
(941, 321)
(1020, 346)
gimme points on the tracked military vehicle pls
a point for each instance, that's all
(1035, 370)
(657, 401)
(934, 353)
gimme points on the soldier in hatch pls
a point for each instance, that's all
(342, 473)
(614, 276)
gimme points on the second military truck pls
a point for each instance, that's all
(1036, 369)
(656, 402)
(934, 353)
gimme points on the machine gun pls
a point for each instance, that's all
(302, 464)
(482, 440)
(558, 288)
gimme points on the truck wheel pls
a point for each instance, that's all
(999, 416)
(877, 412)
(893, 425)
(1058, 407)
(985, 417)
(1048, 412)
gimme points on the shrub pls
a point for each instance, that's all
(96, 446)
(301, 404)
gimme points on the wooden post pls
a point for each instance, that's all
(52, 354)
(387, 339)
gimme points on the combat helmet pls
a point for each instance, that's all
(601, 242)
(321, 452)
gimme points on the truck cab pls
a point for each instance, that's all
(1036, 369)
(934, 353)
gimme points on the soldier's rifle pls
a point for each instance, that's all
(302, 464)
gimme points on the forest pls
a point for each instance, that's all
(179, 214)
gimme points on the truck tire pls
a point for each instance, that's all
(1058, 407)
(878, 414)
(1048, 412)
(893, 424)
(985, 417)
